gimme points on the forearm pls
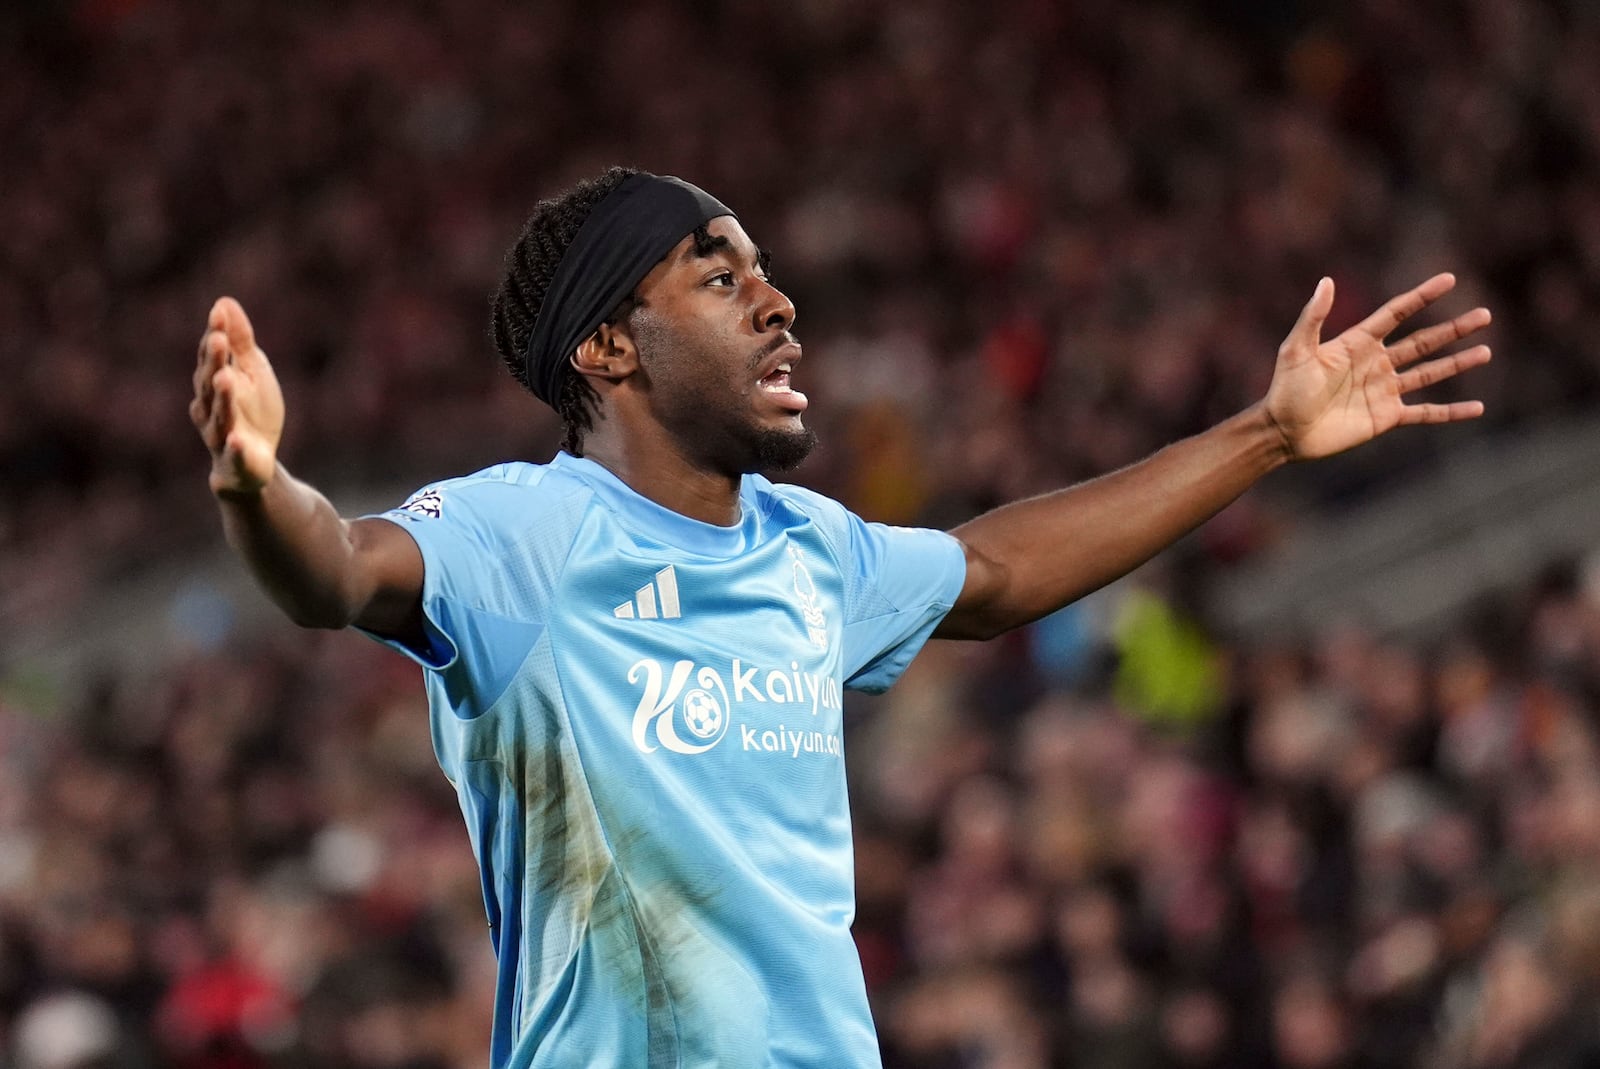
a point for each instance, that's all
(1029, 558)
(298, 548)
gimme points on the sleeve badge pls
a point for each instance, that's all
(424, 503)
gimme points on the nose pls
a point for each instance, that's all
(774, 311)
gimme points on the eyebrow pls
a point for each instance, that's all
(715, 243)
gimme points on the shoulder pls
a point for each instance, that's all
(512, 482)
(789, 506)
(503, 497)
(834, 518)
(868, 547)
(497, 539)
(779, 498)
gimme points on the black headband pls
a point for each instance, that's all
(625, 235)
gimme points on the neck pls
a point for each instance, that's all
(659, 471)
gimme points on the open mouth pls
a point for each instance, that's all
(776, 385)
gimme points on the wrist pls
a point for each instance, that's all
(1269, 434)
(232, 487)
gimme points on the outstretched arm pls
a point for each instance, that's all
(322, 570)
(1027, 559)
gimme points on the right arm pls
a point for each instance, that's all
(324, 571)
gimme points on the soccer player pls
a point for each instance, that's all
(635, 654)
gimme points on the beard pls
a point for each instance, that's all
(698, 413)
(738, 447)
(777, 450)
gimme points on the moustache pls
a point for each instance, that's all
(786, 338)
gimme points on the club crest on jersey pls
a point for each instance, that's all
(805, 592)
(424, 503)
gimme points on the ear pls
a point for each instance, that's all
(608, 353)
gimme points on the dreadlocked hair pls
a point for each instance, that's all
(530, 268)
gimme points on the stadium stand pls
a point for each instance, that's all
(1029, 243)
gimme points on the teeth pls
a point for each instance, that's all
(785, 368)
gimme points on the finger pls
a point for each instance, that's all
(197, 381)
(1308, 328)
(221, 422)
(206, 367)
(1443, 368)
(1397, 310)
(1451, 413)
(235, 324)
(215, 428)
(1431, 339)
(213, 350)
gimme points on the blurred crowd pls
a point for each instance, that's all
(1333, 854)
(1348, 855)
(1028, 243)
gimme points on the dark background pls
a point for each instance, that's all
(1028, 242)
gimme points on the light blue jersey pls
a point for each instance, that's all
(642, 716)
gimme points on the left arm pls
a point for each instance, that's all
(1028, 559)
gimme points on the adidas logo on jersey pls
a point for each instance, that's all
(656, 600)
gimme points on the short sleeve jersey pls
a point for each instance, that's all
(642, 717)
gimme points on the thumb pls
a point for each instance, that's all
(1308, 328)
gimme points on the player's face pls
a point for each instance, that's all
(716, 353)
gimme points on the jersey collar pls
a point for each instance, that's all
(658, 522)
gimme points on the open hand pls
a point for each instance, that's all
(1327, 396)
(237, 406)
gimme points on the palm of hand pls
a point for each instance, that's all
(1327, 396)
(238, 405)
(250, 450)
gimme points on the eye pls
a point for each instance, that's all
(721, 278)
